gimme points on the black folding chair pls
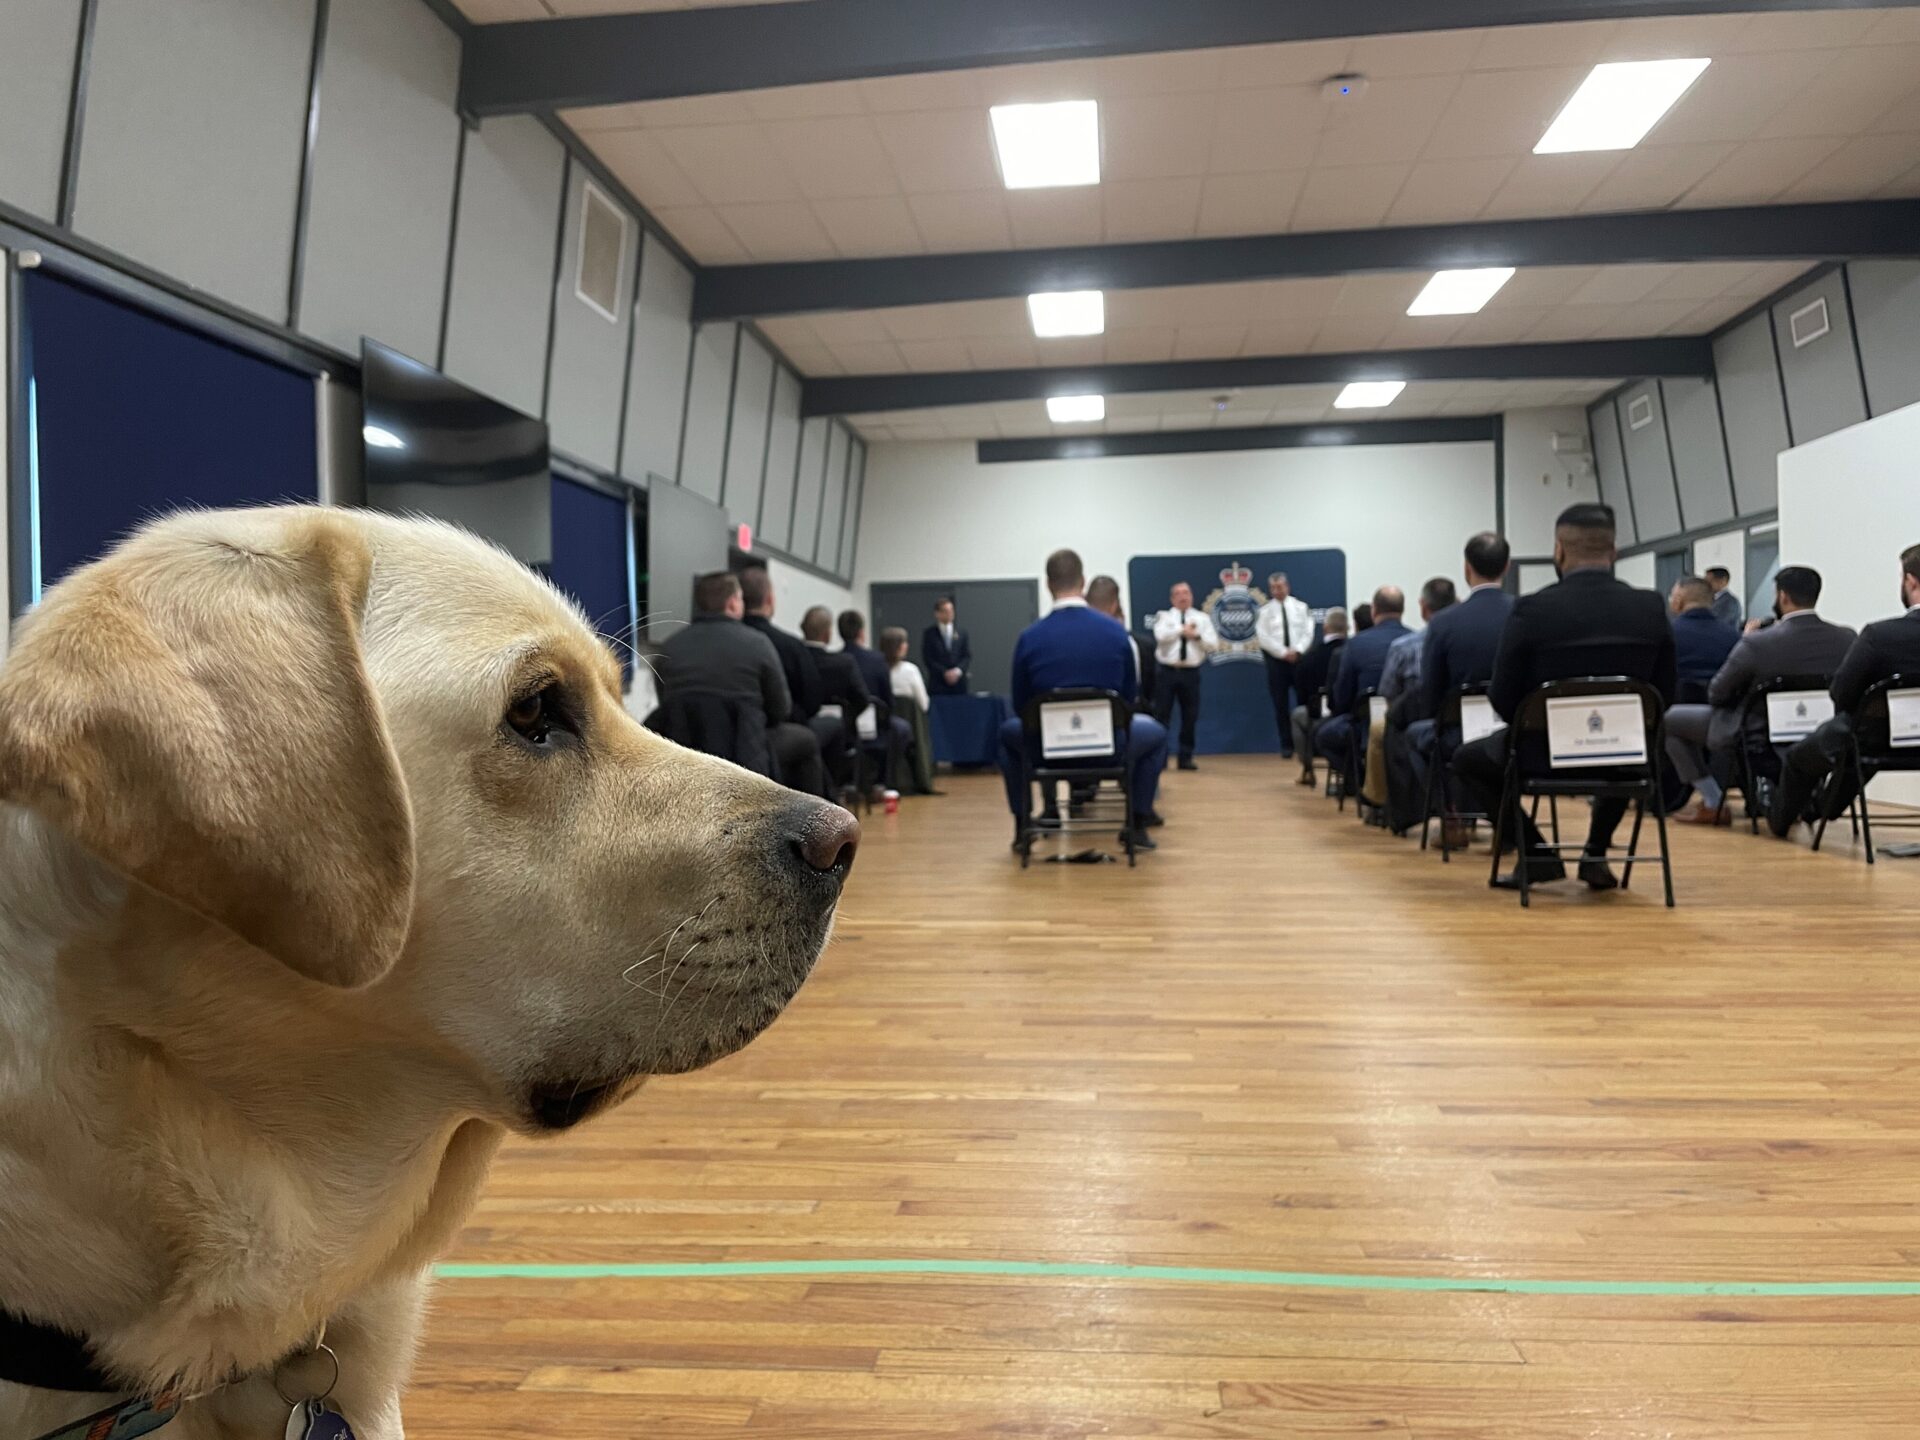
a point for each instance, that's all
(1352, 772)
(1449, 719)
(1873, 748)
(1803, 694)
(1083, 753)
(1636, 778)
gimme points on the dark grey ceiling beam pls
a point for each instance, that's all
(1839, 231)
(610, 59)
(1666, 357)
(1240, 437)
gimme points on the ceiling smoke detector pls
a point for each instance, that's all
(1221, 402)
(1337, 88)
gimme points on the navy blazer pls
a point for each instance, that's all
(874, 672)
(1462, 641)
(1701, 644)
(1073, 648)
(1362, 662)
(941, 657)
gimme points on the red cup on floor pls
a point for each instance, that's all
(891, 799)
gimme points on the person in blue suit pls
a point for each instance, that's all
(1362, 663)
(1701, 642)
(1075, 647)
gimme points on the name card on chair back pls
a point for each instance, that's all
(1075, 728)
(1478, 719)
(1377, 708)
(1903, 718)
(1588, 730)
(1796, 714)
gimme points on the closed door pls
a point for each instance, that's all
(992, 612)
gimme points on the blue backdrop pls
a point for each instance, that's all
(591, 561)
(1236, 715)
(132, 416)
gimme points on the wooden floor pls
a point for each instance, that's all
(1284, 1044)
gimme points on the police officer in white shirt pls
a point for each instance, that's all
(1284, 628)
(1183, 636)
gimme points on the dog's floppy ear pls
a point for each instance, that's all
(195, 710)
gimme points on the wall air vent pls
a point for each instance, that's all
(1639, 412)
(603, 253)
(1809, 323)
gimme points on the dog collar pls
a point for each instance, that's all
(43, 1357)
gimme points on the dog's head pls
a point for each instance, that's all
(396, 763)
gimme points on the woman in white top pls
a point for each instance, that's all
(911, 703)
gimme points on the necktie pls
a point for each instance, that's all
(1183, 639)
(1286, 626)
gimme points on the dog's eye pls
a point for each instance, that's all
(532, 716)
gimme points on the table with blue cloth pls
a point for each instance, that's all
(966, 728)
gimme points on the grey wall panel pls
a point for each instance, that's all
(707, 396)
(589, 349)
(850, 512)
(1886, 317)
(826, 549)
(1699, 451)
(503, 250)
(383, 163)
(1824, 392)
(1643, 433)
(806, 496)
(783, 455)
(37, 40)
(195, 126)
(657, 386)
(1755, 412)
(1610, 468)
(747, 446)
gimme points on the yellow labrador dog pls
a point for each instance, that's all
(328, 856)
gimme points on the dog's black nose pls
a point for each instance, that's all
(825, 838)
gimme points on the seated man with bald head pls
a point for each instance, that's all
(1362, 664)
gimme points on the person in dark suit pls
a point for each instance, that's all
(1702, 740)
(796, 661)
(947, 651)
(844, 696)
(1312, 678)
(1727, 608)
(718, 656)
(1701, 643)
(1459, 649)
(1074, 647)
(1883, 650)
(1361, 665)
(893, 734)
(1589, 624)
(1103, 594)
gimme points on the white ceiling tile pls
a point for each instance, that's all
(1550, 184)
(976, 221)
(1007, 352)
(1348, 198)
(1498, 324)
(1859, 167)
(1704, 280)
(1208, 342)
(1758, 171)
(493, 12)
(1894, 27)
(1654, 176)
(1167, 72)
(787, 331)
(813, 359)
(1906, 187)
(1804, 30)
(936, 322)
(1902, 118)
(1352, 332)
(1387, 293)
(1433, 52)
(1292, 299)
(1308, 63)
(839, 158)
(934, 90)
(1622, 284)
(941, 150)
(1150, 209)
(1642, 317)
(1569, 322)
(1544, 284)
(1673, 37)
(703, 234)
(1449, 190)
(1253, 204)
(869, 227)
(1389, 124)
(643, 165)
(805, 102)
(1268, 129)
(1733, 99)
(1851, 91)
(721, 109)
(1526, 47)
(1039, 84)
(1501, 112)
(1132, 424)
(1282, 337)
(782, 230)
(869, 358)
(1066, 216)
(850, 327)
(731, 164)
(1421, 332)
(1071, 350)
(1148, 137)
(1139, 346)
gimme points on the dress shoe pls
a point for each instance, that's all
(1598, 875)
(1149, 821)
(1139, 839)
(1539, 872)
(1186, 763)
(1458, 834)
(1708, 815)
(1308, 779)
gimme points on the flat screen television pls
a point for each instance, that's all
(434, 447)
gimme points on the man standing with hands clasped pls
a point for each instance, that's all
(1184, 635)
(1284, 628)
(947, 651)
